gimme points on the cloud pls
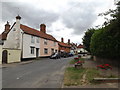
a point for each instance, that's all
(80, 17)
(64, 18)
(30, 15)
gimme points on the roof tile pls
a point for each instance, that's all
(35, 32)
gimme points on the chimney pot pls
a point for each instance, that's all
(7, 27)
(18, 17)
(62, 40)
(68, 41)
(43, 28)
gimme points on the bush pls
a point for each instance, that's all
(105, 43)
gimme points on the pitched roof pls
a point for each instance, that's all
(30, 31)
(3, 36)
(35, 32)
(80, 46)
(63, 44)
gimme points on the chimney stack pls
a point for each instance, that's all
(7, 27)
(18, 17)
(76, 44)
(62, 40)
(43, 28)
(68, 41)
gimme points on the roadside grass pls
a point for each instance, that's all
(72, 76)
(74, 61)
(91, 74)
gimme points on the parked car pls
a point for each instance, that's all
(64, 54)
(55, 56)
(70, 54)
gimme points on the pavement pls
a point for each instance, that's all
(45, 73)
(16, 63)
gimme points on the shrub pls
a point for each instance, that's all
(105, 44)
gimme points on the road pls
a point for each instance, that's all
(44, 73)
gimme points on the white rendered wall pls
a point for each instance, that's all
(14, 37)
(81, 49)
(27, 44)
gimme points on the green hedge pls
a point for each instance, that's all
(105, 43)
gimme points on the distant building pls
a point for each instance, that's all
(80, 49)
(73, 48)
(64, 47)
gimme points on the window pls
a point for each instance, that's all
(45, 42)
(55, 50)
(32, 50)
(32, 39)
(45, 51)
(54, 43)
(37, 39)
(52, 51)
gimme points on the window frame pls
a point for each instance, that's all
(32, 39)
(37, 40)
(45, 50)
(32, 50)
(52, 50)
(45, 41)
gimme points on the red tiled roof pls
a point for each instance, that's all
(80, 46)
(35, 32)
(30, 31)
(63, 44)
(3, 36)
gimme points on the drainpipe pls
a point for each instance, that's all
(22, 46)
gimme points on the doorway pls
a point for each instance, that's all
(37, 52)
(4, 56)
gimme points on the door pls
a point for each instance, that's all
(37, 52)
(4, 56)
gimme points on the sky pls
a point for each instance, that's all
(63, 18)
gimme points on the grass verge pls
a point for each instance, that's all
(72, 76)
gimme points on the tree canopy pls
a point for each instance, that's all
(105, 42)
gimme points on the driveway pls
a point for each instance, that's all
(43, 73)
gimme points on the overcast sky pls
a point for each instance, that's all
(63, 18)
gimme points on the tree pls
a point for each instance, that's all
(105, 42)
(87, 38)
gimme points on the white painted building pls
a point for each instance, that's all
(80, 49)
(18, 44)
(30, 46)
(21, 41)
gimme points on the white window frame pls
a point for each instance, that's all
(32, 50)
(45, 41)
(54, 43)
(32, 39)
(37, 39)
